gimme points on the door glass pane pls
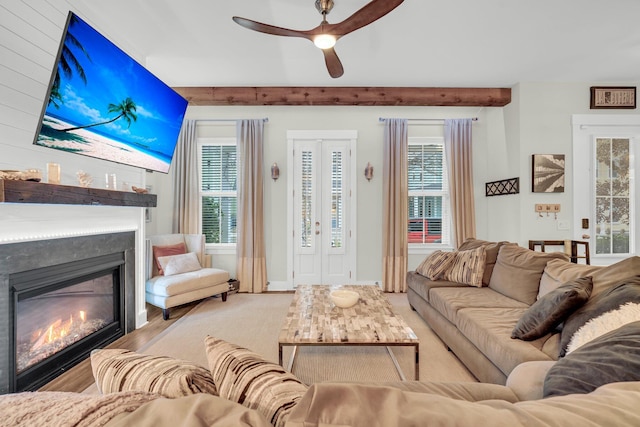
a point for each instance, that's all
(306, 206)
(336, 200)
(613, 203)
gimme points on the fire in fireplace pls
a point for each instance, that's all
(61, 313)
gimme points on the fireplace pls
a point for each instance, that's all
(61, 313)
(62, 298)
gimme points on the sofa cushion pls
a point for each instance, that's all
(550, 310)
(467, 267)
(627, 290)
(167, 250)
(518, 270)
(489, 330)
(613, 357)
(177, 264)
(447, 301)
(244, 377)
(421, 285)
(185, 282)
(491, 249)
(118, 370)
(607, 322)
(558, 272)
(435, 264)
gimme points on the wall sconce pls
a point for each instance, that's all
(275, 171)
(368, 172)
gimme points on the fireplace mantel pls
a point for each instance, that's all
(15, 191)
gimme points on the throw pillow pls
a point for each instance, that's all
(518, 270)
(627, 290)
(246, 378)
(550, 310)
(122, 370)
(627, 313)
(436, 264)
(467, 267)
(177, 264)
(613, 357)
(168, 250)
(491, 248)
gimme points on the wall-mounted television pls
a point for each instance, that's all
(102, 103)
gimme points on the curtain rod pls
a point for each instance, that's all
(264, 119)
(382, 119)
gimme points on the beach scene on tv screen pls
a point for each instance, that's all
(104, 104)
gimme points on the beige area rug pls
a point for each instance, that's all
(254, 321)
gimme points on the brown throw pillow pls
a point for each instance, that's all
(168, 250)
(436, 264)
(553, 308)
(123, 370)
(244, 377)
(491, 248)
(467, 267)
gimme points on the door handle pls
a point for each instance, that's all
(317, 227)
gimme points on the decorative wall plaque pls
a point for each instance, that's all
(505, 186)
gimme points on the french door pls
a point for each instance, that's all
(320, 204)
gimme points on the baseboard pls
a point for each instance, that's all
(287, 286)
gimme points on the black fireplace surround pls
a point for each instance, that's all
(99, 269)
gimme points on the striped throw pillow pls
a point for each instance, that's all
(468, 267)
(244, 377)
(435, 264)
(123, 370)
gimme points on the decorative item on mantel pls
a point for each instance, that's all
(139, 190)
(84, 179)
(26, 175)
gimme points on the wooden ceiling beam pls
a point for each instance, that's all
(370, 96)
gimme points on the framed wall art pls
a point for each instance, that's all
(547, 173)
(613, 97)
(502, 187)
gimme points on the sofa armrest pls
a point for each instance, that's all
(527, 379)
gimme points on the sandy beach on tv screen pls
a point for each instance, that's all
(83, 141)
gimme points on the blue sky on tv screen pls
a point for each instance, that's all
(111, 77)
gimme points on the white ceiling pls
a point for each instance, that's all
(429, 43)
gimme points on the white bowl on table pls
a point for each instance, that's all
(344, 298)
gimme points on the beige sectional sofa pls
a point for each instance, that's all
(477, 323)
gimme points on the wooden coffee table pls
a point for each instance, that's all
(313, 320)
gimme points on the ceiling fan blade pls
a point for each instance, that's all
(334, 66)
(269, 29)
(369, 13)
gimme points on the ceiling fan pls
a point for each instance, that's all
(325, 35)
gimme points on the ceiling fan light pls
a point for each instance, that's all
(324, 41)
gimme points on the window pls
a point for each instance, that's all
(428, 192)
(218, 190)
(613, 195)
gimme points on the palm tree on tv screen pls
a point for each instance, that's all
(126, 110)
(67, 64)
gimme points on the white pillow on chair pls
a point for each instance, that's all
(177, 264)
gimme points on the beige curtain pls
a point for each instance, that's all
(251, 266)
(457, 142)
(186, 218)
(395, 211)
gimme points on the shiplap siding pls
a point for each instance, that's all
(30, 33)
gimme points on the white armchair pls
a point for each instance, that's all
(186, 280)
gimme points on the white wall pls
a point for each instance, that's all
(368, 149)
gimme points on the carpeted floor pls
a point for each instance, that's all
(254, 321)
